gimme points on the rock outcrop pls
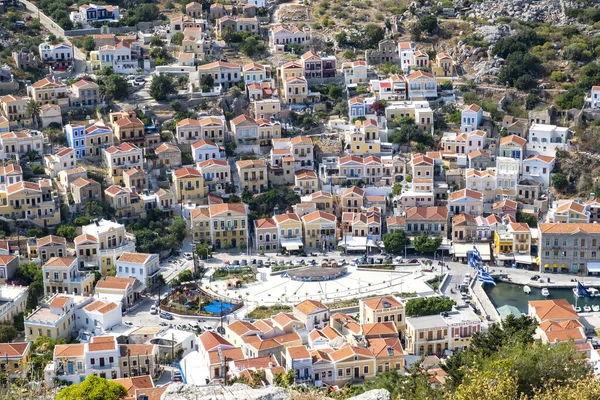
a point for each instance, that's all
(236, 391)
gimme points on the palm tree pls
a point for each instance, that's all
(33, 110)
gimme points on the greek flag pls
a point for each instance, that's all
(476, 254)
(472, 261)
(485, 277)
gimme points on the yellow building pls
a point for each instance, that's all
(207, 128)
(15, 359)
(295, 90)
(319, 230)
(292, 69)
(253, 175)
(289, 230)
(307, 181)
(323, 201)
(61, 275)
(388, 353)
(513, 241)
(364, 139)
(220, 225)
(31, 201)
(189, 185)
(14, 108)
(266, 108)
(130, 130)
(49, 91)
(353, 364)
(443, 65)
(382, 309)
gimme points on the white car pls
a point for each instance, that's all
(128, 323)
(153, 310)
(208, 328)
(398, 259)
(188, 256)
(194, 325)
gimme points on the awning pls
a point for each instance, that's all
(593, 267)
(554, 265)
(292, 244)
(524, 259)
(546, 266)
(353, 243)
(460, 250)
(564, 266)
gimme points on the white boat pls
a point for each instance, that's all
(545, 292)
(576, 292)
(595, 308)
(587, 308)
(594, 292)
(577, 309)
(526, 289)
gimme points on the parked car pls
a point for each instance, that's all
(128, 323)
(244, 263)
(153, 310)
(236, 262)
(188, 256)
(163, 323)
(201, 319)
(208, 328)
(253, 261)
(194, 325)
(413, 261)
(181, 327)
(259, 263)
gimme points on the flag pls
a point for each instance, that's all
(472, 261)
(477, 254)
(485, 277)
(582, 291)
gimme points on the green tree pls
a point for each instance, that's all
(230, 148)
(396, 189)
(155, 41)
(559, 181)
(89, 44)
(342, 39)
(67, 231)
(372, 34)
(177, 39)
(252, 46)
(81, 221)
(428, 23)
(424, 244)
(207, 82)
(114, 86)
(161, 87)
(418, 307)
(8, 333)
(33, 109)
(178, 228)
(203, 251)
(93, 388)
(185, 276)
(527, 218)
(395, 241)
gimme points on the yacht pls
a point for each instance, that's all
(595, 308)
(545, 292)
(577, 309)
(576, 292)
(526, 289)
(594, 292)
(587, 308)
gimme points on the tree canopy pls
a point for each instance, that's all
(162, 86)
(395, 241)
(422, 306)
(425, 244)
(93, 388)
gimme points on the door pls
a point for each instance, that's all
(70, 368)
(356, 372)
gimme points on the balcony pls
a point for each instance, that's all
(104, 367)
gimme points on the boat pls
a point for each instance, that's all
(594, 292)
(545, 292)
(576, 292)
(595, 308)
(577, 309)
(526, 289)
(587, 308)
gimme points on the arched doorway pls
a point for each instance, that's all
(233, 243)
(218, 243)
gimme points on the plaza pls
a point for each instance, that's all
(278, 289)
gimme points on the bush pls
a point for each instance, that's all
(428, 306)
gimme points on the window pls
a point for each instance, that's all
(348, 371)
(340, 372)
(366, 369)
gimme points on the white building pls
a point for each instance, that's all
(62, 160)
(141, 266)
(354, 72)
(537, 168)
(546, 139)
(203, 150)
(60, 53)
(407, 55)
(471, 118)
